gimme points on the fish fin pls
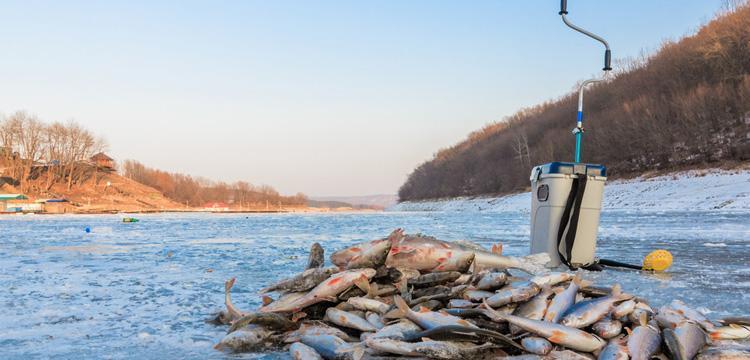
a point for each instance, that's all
(363, 283)
(423, 309)
(557, 337)
(616, 290)
(401, 304)
(643, 319)
(373, 290)
(426, 339)
(735, 326)
(332, 299)
(229, 284)
(628, 330)
(497, 248)
(266, 299)
(492, 313)
(558, 290)
(358, 353)
(464, 322)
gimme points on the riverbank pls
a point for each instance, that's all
(702, 190)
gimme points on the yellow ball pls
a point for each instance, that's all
(658, 260)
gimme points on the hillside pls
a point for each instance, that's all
(686, 105)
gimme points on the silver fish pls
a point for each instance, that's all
(615, 350)
(667, 317)
(332, 347)
(492, 280)
(232, 313)
(730, 332)
(624, 309)
(375, 320)
(248, 338)
(366, 304)
(586, 313)
(692, 314)
(563, 301)
(536, 345)
(315, 328)
(430, 348)
(607, 328)
(724, 354)
(325, 291)
(516, 292)
(551, 279)
(558, 334)
(304, 281)
(300, 351)
(371, 254)
(429, 319)
(644, 341)
(348, 320)
(461, 304)
(685, 341)
(477, 295)
(399, 331)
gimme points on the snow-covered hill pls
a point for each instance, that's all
(688, 190)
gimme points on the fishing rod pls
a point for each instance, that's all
(658, 260)
(578, 130)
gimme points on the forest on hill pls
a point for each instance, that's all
(59, 160)
(688, 104)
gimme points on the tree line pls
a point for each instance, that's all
(687, 104)
(197, 192)
(35, 155)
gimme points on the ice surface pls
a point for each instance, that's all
(143, 290)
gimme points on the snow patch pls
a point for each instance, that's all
(695, 190)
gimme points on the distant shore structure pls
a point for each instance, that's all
(103, 161)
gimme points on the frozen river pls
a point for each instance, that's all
(143, 290)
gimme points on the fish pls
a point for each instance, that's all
(536, 345)
(724, 354)
(730, 332)
(557, 334)
(607, 328)
(399, 331)
(552, 278)
(533, 309)
(325, 291)
(692, 314)
(429, 319)
(348, 320)
(461, 304)
(272, 321)
(513, 293)
(430, 348)
(740, 320)
(685, 340)
(366, 304)
(317, 257)
(563, 301)
(331, 347)
(463, 333)
(435, 278)
(477, 295)
(248, 338)
(430, 254)
(315, 328)
(667, 317)
(615, 350)
(644, 341)
(300, 351)
(303, 281)
(375, 320)
(371, 254)
(623, 309)
(492, 280)
(232, 313)
(640, 308)
(586, 313)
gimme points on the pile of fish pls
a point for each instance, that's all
(419, 297)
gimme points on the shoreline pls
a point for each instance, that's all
(691, 190)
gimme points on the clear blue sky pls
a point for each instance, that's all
(323, 97)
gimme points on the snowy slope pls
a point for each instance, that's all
(689, 190)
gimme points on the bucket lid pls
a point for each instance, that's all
(559, 167)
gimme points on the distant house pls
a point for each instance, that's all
(103, 161)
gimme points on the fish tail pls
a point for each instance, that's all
(401, 304)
